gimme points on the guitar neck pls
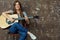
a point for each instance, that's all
(23, 18)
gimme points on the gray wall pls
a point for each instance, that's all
(48, 24)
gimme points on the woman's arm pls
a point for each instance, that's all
(6, 13)
(26, 18)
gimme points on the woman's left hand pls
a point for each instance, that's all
(26, 19)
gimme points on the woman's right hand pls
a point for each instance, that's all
(5, 14)
(12, 20)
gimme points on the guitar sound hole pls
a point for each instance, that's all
(9, 22)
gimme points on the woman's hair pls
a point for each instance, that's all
(21, 12)
(14, 6)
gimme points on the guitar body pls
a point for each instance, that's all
(3, 21)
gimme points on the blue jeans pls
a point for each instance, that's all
(17, 27)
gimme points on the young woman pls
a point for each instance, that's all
(17, 27)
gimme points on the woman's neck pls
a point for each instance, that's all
(18, 11)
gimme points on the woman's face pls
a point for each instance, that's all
(17, 6)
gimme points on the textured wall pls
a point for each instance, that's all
(47, 26)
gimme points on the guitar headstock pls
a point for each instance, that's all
(37, 17)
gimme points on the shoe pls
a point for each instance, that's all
(33, 37)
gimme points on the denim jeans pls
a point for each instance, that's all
(17, 27)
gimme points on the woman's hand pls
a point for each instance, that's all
(6, 15)
(12, 20)
(26, 19)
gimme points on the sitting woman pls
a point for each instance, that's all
(17, 26)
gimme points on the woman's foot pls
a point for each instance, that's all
(33, 37)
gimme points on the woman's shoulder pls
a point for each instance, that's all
(25, 14)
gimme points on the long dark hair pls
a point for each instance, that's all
(21, 10)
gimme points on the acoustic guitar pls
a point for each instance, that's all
(4, 23)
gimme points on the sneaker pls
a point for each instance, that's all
(33, 37)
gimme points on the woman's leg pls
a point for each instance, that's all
(20, 27)
(13, 29)
(24, 33)
(21, 30)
